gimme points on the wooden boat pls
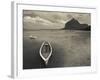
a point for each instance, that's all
(45, 51)
(32, 37)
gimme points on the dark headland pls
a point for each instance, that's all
(74, 24)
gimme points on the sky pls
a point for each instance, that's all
(51, 20)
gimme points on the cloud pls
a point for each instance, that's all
(37, 20)
(40, 23)
(83, 18)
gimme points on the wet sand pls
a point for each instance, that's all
(70, 48)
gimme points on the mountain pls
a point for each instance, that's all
(73, 24)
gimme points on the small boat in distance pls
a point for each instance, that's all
(32, 37)
(45, 51)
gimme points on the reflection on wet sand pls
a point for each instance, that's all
(70, 48)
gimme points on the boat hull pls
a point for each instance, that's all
(45, 51)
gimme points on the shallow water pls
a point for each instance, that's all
(70, 48)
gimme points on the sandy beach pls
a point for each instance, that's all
(70, 48)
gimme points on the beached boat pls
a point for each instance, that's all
(32, 37)
(45, 51)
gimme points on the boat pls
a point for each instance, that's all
(45, 51)
(32, 37)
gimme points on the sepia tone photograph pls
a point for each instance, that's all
(53, 39)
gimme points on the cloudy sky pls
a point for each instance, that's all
(51, 20)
